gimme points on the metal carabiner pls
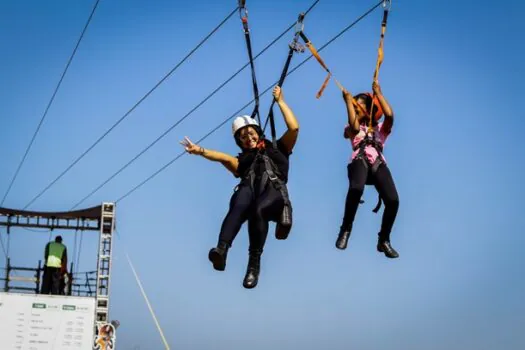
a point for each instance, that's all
(299, 25)
(297, 46)
(243, 11)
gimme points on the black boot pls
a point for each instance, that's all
(218, 256)
(383, 246)
(282, 231)
(284, 225)
(342, 239)
(252, 272)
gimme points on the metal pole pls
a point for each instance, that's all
(8, 271)
(70, 281)
(37, 275)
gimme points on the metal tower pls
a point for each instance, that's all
(107, 227)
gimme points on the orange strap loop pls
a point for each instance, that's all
(315, 53)
(380, 57)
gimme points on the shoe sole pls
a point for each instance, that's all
(249, 287)
(388, 256)
(344, 246)
(341, 248)
(252, 286)
(217, 261)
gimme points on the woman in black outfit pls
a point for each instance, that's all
(261, 195)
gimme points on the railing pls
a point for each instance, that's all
(8, 279)
(73, 283)
(84, 284)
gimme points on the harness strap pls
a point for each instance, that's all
(250, 176)
(271, 173)
(271, 170)
(243, 11)
(367, 141)
(294, 46)
(378, 205)
(380, 57)
(361, 155)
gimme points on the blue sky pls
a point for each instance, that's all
(452, 73)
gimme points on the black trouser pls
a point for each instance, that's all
(258, 210)
(51, 280)
(358, 174)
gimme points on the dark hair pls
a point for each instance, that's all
(58, 239)
(368, 104)
(367, 99)
(237, 135)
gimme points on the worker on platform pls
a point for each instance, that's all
(55, 266)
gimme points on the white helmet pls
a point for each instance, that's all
(241, 122)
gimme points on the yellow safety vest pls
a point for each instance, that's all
(54, 258)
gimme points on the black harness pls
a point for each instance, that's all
(272, 175)
(371, 141)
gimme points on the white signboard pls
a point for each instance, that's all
(46, 322)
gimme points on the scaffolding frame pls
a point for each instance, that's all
(100, 218)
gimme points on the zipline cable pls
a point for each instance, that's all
(49, 104)
(77, 266)
(246, 105)
(75, 249)
(189, 113)
(130, 110)
(137, 279)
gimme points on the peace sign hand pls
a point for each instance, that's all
(190, 147)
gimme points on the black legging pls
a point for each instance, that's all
(358, 174)
(258, 211)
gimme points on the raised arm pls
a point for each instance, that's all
(289, 137)
(231, 163)
(353, 124)
(387, 109)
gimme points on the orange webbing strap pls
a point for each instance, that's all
(380, 57)
(315, 53)
(370, 125)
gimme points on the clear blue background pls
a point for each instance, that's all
(452, 72)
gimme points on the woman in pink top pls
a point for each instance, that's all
(368, 165)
